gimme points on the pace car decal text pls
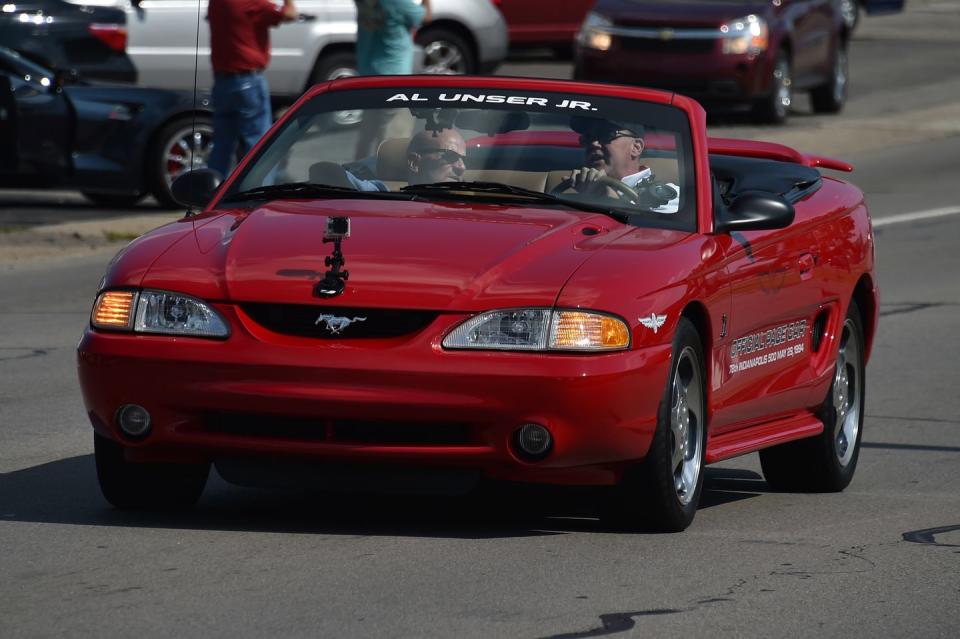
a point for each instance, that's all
(483, 98)
(766, 340)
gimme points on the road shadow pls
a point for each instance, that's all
(66, 492)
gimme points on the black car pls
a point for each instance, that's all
(90, 40)
(114, 143)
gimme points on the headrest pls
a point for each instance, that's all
(392, 159)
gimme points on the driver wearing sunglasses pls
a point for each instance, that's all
(436, 157)
(613, 150)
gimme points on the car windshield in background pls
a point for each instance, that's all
(630, 158)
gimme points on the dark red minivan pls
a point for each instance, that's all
(754, 53)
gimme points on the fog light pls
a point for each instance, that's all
(532, 441)
(134, 420)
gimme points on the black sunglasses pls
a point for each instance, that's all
(449, 156)
(605, 136)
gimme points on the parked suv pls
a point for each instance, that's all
(465, 36)
(69, 36)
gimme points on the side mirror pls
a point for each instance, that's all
(755, 211)
(195, 189)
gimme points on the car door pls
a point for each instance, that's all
(8, 127)
(539, 21)
(39, 119)
(774, 298)
(813, 25)
(166, 39)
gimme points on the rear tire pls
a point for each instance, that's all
(827, 462)
(830, 96)
(662, 492)
(130, 486)
(775, 107)
(182, 145)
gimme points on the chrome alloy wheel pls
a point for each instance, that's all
(847, 394)
(686, 424)
(187, 149)
(444, 58)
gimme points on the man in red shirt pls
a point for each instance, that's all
(239, 53)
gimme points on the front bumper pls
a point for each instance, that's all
(387, 401)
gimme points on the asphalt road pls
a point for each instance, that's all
(881, 559)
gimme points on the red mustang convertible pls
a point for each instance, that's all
(489, 278)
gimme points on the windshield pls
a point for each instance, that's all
(628, 157)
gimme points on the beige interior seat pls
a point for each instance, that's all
(392, 159)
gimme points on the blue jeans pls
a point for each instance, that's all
(241, 115)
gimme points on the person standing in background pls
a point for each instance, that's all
(385, 30)
(239, 54)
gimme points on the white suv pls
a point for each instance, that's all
(465, 36)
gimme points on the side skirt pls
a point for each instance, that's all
(748, 440)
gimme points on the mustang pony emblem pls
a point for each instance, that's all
(654, 321)
(336, 324)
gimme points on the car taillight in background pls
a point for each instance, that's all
(112, 35)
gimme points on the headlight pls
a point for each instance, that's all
(745, 35)
(593, 33)
(157, 312)
(538, 329)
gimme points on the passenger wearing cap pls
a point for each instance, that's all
(613, 150)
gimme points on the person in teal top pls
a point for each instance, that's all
(385, 35)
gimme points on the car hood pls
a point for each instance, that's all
(677, 13)
(416, 255)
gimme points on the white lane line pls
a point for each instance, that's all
(916, 215)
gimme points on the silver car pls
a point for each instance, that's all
(465, 36)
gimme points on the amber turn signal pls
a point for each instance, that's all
(114, 309)
(580, 330)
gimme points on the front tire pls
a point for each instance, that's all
(663, 491)
(130, 486)
(182, 145)
(827, 462)
(830, 96)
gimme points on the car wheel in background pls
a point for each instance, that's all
(826, 463)
(446, 52)
(663, 491)
(775, 107)
(113, 200)
(830, 96)
(333, 66)
(130, 486)
(181, 145)
(850, 12)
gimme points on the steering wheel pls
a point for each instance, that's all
(622, 190)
